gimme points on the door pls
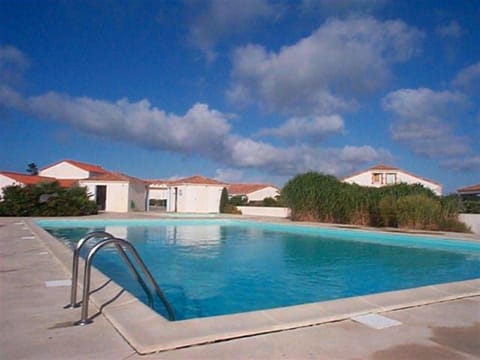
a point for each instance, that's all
(176, 199)
(101, 198)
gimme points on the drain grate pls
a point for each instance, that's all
(55, 283)
(376, 321)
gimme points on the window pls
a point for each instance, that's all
(376, 178)
(391, 178)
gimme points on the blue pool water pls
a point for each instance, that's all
(214, 267)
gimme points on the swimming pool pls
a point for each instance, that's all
(214, 267)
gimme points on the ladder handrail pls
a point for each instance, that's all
(87, 274)
(126, 259)
(76, 255)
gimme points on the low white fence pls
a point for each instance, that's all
(472, 220)
(280, 212)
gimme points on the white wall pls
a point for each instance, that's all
(280, 212)
(117, 194)
(193, 198)
(365, 179)
(261, 194)
(137, 193)
(472, 220)
(6, 181)
(158, 193)
(64, 170)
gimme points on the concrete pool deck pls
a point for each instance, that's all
(436, 322)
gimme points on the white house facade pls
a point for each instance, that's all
(158, 190)
(71, 169)
(195, 194)
(115, 192)
(253, 192)
(383, 175)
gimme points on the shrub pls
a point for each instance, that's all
(317, 197)
(46, 199)
(418, 212)
(310, 196)
(471, 206)
(225, 206)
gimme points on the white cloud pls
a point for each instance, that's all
(229, 175)
(200, 130)
(13, 63)
(468, 78)
(341, 6)
(324, 72)
(307, 128)
(468, 163)
(292, 160)
(425, 120)
(450, 30)
(220, 19)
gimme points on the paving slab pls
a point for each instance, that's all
(33, 323)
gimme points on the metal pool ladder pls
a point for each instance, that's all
(122, 245)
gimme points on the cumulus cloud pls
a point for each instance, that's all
(220, 19)
(450, 30)
(341, 6)
(468, 79)
(469, 163)
(424, 120)
(229, 175)
(199, 130)
(292, 160)
(323, 73)
(307, 128)
(13, 64)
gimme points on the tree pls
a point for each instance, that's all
(32, 169)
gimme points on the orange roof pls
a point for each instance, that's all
(35, 179)
(470, 189)
(243, 189)
(114, 176)
(159, 181)
(84, 166)
(383, 167)
(197, 179)
(66, 183)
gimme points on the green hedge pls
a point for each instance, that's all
(324, 198)
(46, 199)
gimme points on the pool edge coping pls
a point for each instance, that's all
(148, 332)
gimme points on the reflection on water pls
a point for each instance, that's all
(213, 269)
(117, 231)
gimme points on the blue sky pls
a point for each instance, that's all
(251, 90)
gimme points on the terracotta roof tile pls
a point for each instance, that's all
(82, 165)
(471, 188)
(35, 179)
(114, 176)
(243, 189)
(197, 179)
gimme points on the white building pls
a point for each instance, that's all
(71, 169)
(382, 175)
(113, 192)
(158, 190)
(253, 192)
(195, 194)
(116, 192)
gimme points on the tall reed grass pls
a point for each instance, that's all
(317, 197)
